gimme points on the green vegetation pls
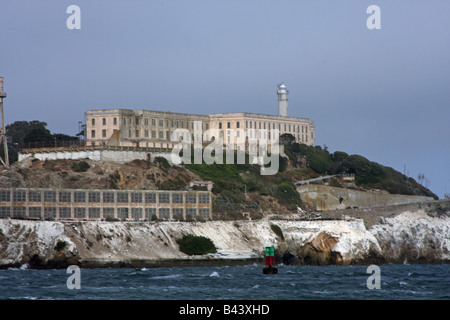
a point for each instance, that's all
(60, 245)
(162, 162)
(368, 174)
(277, 230)
(233, 181)
(196, 245)
(81, 166)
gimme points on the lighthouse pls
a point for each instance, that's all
(282, 100)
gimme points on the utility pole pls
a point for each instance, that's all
(5, 161)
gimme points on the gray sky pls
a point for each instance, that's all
(383, 94)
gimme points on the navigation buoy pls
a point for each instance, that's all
(270, 261)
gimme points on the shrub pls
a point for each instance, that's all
(277, 231)
(196, 245)
(162, 162)
(81, 166)
(60, 245)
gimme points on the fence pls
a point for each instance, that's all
(93, 204)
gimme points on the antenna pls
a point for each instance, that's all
(5, 161)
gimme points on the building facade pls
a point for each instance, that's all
(146, 128)
(84, 204)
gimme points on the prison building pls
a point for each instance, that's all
(147, 128)
(83, 204)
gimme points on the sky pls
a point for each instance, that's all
(380, 93)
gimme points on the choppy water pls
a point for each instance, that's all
(230, 283)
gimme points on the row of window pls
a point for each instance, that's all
(104, 120)
(184, 124)
(122, 213)
(108, 197)
(268, 125)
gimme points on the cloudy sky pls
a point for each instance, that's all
(383, 94)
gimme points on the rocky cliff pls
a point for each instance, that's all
(410, 236)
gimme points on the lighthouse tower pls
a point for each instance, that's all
(282, 100)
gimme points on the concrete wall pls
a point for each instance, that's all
(331, 198)
(100, 154)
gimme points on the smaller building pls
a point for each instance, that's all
(87, 204)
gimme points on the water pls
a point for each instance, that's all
(230, 283)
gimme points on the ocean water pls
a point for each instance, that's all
(405, 282)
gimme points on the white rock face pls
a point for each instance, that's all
(414, 236)
(410, 236)
(20, 240)
(104, 242)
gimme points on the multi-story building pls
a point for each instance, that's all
(146, 128)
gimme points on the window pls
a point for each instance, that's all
(5, 195)
(19, 196)
(50, 213)
(164, 213)
(79, 196)
(136, 121)
(137, 133)
(136, 197)
(150, 198)
(93, 134)
(104, 121)
(191, 198)
(94, 196)
(177, 198)
(79, 212)
(34, 196)
(34, 212)
(191, 212)
(153, 122)
(220, 125)
(93, 121)
(108, 197)
(94, 212)
(65, 196)
(65, 212)
(153, 133)
(49, 196)
(5, 212)
(136, 213)
(161, 134)
(122, 213)
(150, 213)
(164, 197)
(19, 212)
(122, 197)
(204, 212)
(161, 123)
(104, 133)
(228, 125)
(177, 213)
(146, 133)
(108, 212)
(237, 125)
(115, 121)
(146, 121)
(203, 198)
